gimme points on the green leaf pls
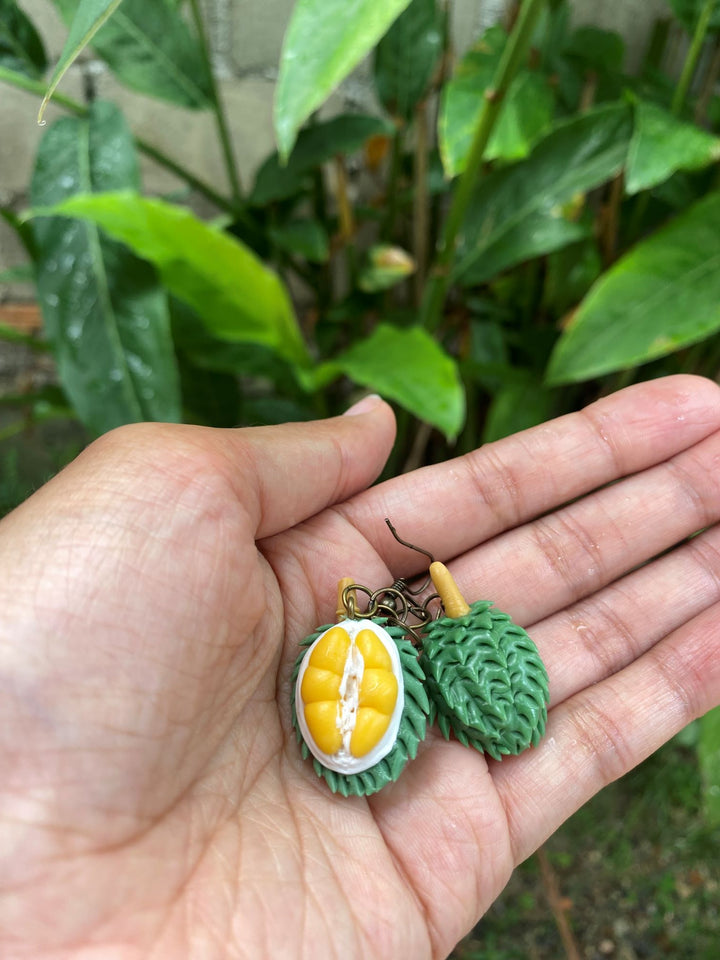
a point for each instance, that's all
(600, 49)
(406, 57)
(408, 366)
(305, 238)
(688, 13)
(526, 113)
(709, 760)
(324, 41)
(315, 145)
(237, 296)
(149, 47)
(89, 17)
(520, 403)
(527, 209)
(21, 49)
(105, 314)
(663, 295)
(661, 145)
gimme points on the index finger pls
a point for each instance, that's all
(451, 507)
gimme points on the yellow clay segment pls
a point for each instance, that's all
(369, 729)
(319, 685)
(322, 721)
(373, 651)
(331, 651)
(453, 601)
(379, 690)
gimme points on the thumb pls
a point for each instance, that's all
(290, 472)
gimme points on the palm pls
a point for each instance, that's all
(159, 789)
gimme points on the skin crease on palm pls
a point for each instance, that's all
(153, 801)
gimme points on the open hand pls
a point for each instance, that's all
(153, 800)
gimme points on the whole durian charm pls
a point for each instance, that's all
(359, 706)
(486, 681)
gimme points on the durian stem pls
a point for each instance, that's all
(452, 600)
(341, 611)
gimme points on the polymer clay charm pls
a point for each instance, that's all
(486, 681)
(364, 688)
(358, 702)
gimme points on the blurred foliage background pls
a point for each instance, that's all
(535, 227)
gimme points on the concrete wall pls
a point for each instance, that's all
(246, 36)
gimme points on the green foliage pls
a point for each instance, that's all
(689, 12)
(345, 134)
(407, 365)
(324, 41)
(150, 49)
(21, 48)
(236, 296)
(527, 110)
(572, 238)
(98, 300)
(661, 145)
(529, 209)
(407, 56)
(89, 18)
(662, 295)
(709, 757)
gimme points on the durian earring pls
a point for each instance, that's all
(486, 681)
(360, 688)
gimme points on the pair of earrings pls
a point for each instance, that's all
(365, 688)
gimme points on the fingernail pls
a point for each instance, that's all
(365, 405)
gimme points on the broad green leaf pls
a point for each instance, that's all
(602, 49)
(324, 41)
(386, 267)
(315, 145)
(149, 47)
(89, 17)
(406, 57)
(236, 295)
(520, 403)
(408, 366)
(661, 145)
(664, 294)
(527, 209)
(709, 760)
(21, 49)
(305, 238)
(526, 113)
(688, 13)
(105, 314)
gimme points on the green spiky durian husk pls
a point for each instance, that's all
(486, 681)
(413, 721)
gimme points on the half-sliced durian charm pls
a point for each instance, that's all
(486, 681)
(359, 705)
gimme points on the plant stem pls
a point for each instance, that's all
(693, 55)
(708, 86)
(23, 230)
(387, 229)
(513, 55)
(80, 110)
(220, 119)
(346, 218)
(421, 201)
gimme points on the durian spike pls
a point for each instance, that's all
(452, 600)
(341, 612)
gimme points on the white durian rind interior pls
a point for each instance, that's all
(342, 762)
